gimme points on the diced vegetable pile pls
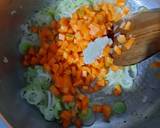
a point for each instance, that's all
(59, 86)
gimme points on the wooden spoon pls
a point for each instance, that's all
(146, 29)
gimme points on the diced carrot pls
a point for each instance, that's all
(121, 39)
(108, 61)
(98, 87)
(60, 69)
(88, 80)
(79, 74)
(107, 111)
(87, 69)
(117, 50)
(125, 10)
(101, 82)
(104, 7)
(66, 123)
(42, 51)
(98, 8)
(106, 51)
(85, 88)
(53, 47)
(63, 29)
(31, 51)
(129, 43)
(58, 81)
(43, 60)
(85, 103)
(115, 68)
(78, 105)
(67, 80)
(75, 16)
(51, 61)
(70, 31)
(94, 29)
(34, 29)
(47, 67)
(55, 68)
(45, 34)
(73, 113)
(45, 46)
(117, 91)
(66, 117)
(78, 123)
(78, 83)
(78, 35)
(155, 64)
(110, 9)
(81, 96)
(54, 24)
(100, 17)
(84, 73)
(103, 72)
(34, 61)
(54, 90)
(72, 90)
(68, 72)
(127, 27)
(67, 98)
(64, 21)
(73, 70)
(97, 108)
(25, 63)
(65, 90)
(94, 71)
(120, 2)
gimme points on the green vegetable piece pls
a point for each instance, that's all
(38, 78)
(24, 46)
(69, 106)
(58, 106)
(57, 109)
(86, 116)
(48, 112)
(33, 96)
(119, 107)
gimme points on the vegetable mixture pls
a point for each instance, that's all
(67, 49)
